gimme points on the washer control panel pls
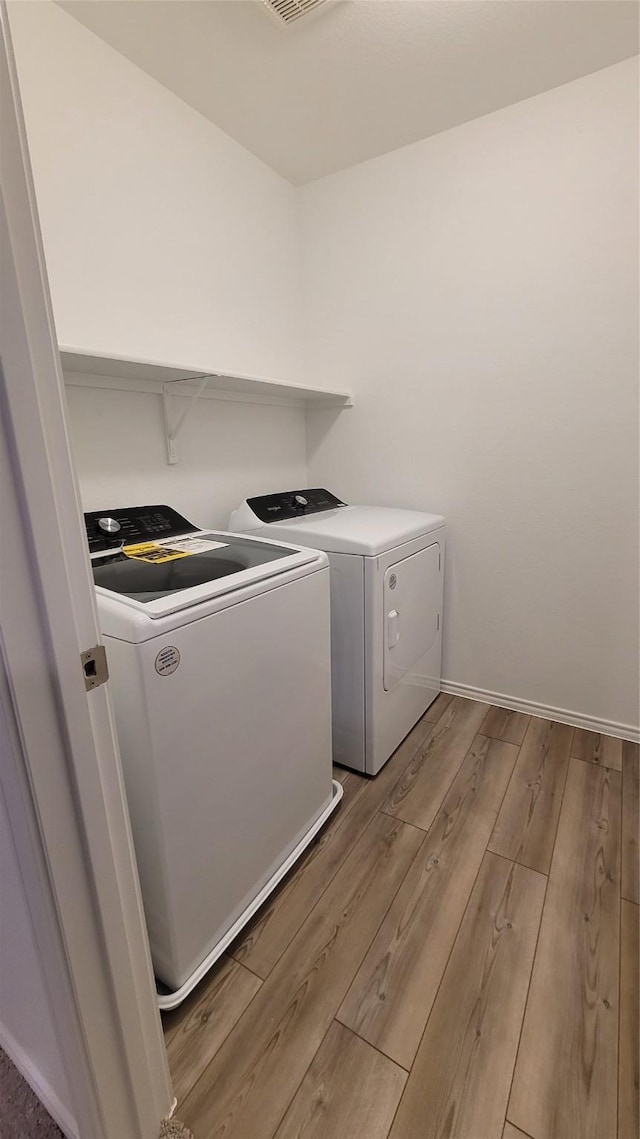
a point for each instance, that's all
(293, 504)
(129, 524)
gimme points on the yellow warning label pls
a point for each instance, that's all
(152, 552)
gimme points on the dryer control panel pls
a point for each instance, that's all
(129, 524)
(293, 504)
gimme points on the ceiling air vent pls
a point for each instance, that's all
(288, 11)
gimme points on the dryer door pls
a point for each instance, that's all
(412, 591)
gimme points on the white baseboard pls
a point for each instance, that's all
(546, 712)
(41, 1087)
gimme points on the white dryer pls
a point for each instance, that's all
(387, 570)
(219, 659)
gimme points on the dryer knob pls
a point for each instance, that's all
(299, 501)
(108, 525)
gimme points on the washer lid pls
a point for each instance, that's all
(173, 574)
(366, 530)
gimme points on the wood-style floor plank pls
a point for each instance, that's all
(266, 937)
(245, 1091)
(371, 928)
(390, 999)
(629, 1062)
(195, 1031)
(349, 1091)
(440, 705)
(270, 933)
(511, 1132)
(341, 774)
(595, 748)
(630, 884)
(565, 1083)
(459, 1083)
(418, 794)
(526, 826)
(503, 724)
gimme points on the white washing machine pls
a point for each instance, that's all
(219, 657)
(387, 570)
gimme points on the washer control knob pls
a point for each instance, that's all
(109, 525)
(300, 501)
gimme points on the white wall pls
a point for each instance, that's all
(164, 239)
(226, 451)
(479, 292)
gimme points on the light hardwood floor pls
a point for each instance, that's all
(456, 956)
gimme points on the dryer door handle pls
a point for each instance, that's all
(393, 628)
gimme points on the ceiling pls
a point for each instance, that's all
(360, 77)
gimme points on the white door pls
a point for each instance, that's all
(61, 777)
(412, 595)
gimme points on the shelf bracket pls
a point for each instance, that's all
(172, 429)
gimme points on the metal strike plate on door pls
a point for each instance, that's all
(94, 667)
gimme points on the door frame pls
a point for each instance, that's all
(62, 777)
